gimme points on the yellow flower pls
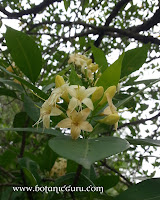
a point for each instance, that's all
(59, 81)
(57, 93)
(76, 121)
(46, 111)
(59, 168)
(112, 117)
(80, 95)
(97, 94)
(108, 95)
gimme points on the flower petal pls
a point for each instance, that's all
(73, 104)
(75, 132)
(107, 111)
(72, 91)
(90, 91)
(65, 123)
(71, 113)
(55, 111)
(46, 121)
(86, 126)
(88, 103)
(85, 112)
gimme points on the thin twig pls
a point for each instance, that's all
(128, 182)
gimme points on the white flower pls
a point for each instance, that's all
(57, 93)
(76, 121)
(46, 111)
(80, 95)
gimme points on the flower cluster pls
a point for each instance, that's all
(80, 102)
(87, 67)
(59, 168)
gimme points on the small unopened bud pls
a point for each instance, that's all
(110, 119)
(111, 91)
(59, 81)
(97, 94)
(93, 67)
(118, 87)
(89, 61)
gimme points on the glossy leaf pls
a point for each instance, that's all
(146, 190)
(112, 74)
(47, 162)
(87, 151)
(24, 52)
(107, 181)
(31, 169)
(34, 130)
(7, 92)
(124, 101)
(14, 85)
(69, 178)
(29, 85)
(134, 59)
(99, 58)
(31, 109)
(147, 142)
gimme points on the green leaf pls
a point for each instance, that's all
(7, 92)
(73, 78)
(146, 190)
(21, 119)
(134, 59)
(48, 161)
(66, 4)
(147, 142)
(25, 53)
(34, 130)
(31, 169)
(69, 178)
(107, 181)
(111, 75)
(99, 58)
(8, 158)
(87, 151)
(12, 84)
(124, 101)
(29, 85)
(31, 109)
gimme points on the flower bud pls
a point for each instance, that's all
(111, 91)
(97, 94)
(93, 67)
(59, 81)
(89, 61)
(110, 119)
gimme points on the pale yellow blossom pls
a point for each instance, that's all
(76, 121)
(80, 95)
(46, 111)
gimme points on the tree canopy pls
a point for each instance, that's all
(80, 68)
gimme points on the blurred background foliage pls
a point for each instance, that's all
(60, 28)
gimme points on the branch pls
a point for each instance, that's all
(7, 173)
(118, 33)
(65, 23)
(34, 10)
(154, 20)
(113, 14)
(127, 181)
(141, 121)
